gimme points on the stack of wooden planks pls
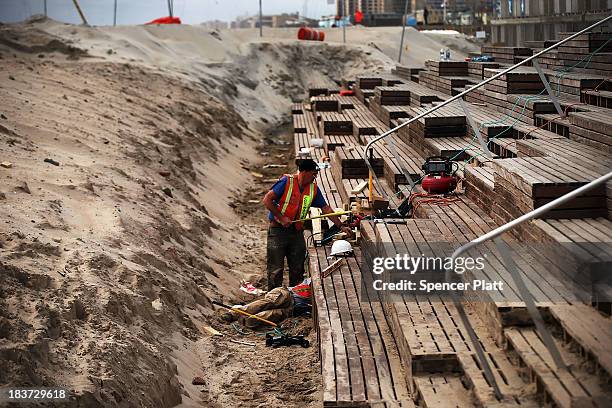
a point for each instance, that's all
(364, 86)
(476, 69)
(599, 97)
(349, 163)
(592, 128)
(447, 68)
(359, 356)
(522, 80)
(573, 53)
(335, 124)
(325, 104)
(391, 95)
(479, 186)
(445, 84)
(507, 55)
(524, 184)
(410, 73)
(304, 120)
(569, 85)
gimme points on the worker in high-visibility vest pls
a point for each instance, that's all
(290, 199)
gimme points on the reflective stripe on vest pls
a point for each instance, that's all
(306, 202)
(286, 204)
(295, 205)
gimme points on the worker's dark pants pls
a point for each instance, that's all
(285, 243)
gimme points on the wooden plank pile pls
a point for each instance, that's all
(448, 85)
(553, 123)
(410, 73)
(572, 53)
(364, 86)
(387, 113)
(524, 184)
(564, 148)
(358, 355)
(507, 55)
(525, 108)
(476, 69)
(479, 186)
(560, 387)
(601, 98)
(431, 339)
(421, 95)
(591, 335)
(422, 340)
(335, 124)
(409, 160)
(365, 122)
(349, 163)
(522, 80)
(449, 121)
(570, 85)
(321, 87)
(304, 120)
(325, 104)
(447, 68)
(592, 128)
(331, 142)
(391, 95)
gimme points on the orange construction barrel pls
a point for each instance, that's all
(305, 33)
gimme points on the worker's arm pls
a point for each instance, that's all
(336, 220)
(268, 202)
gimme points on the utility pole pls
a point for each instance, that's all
(343, 21)
(444, 17)
(260, 21)
(405, 21)
(45, 4)
(115, 15)
(76, 4)
(171, 8)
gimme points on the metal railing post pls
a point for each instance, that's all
(552, 95)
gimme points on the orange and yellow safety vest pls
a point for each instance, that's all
(295, 204)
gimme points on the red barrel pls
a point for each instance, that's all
(305, 33)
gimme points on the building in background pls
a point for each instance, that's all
(215, 25)
(274, 21)
(349, 7)
(538, 20)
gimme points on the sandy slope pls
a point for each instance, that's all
(108, 262)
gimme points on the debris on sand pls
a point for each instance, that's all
(51, 161)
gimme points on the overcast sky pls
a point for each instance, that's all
(100, 12)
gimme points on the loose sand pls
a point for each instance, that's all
(109, 261)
